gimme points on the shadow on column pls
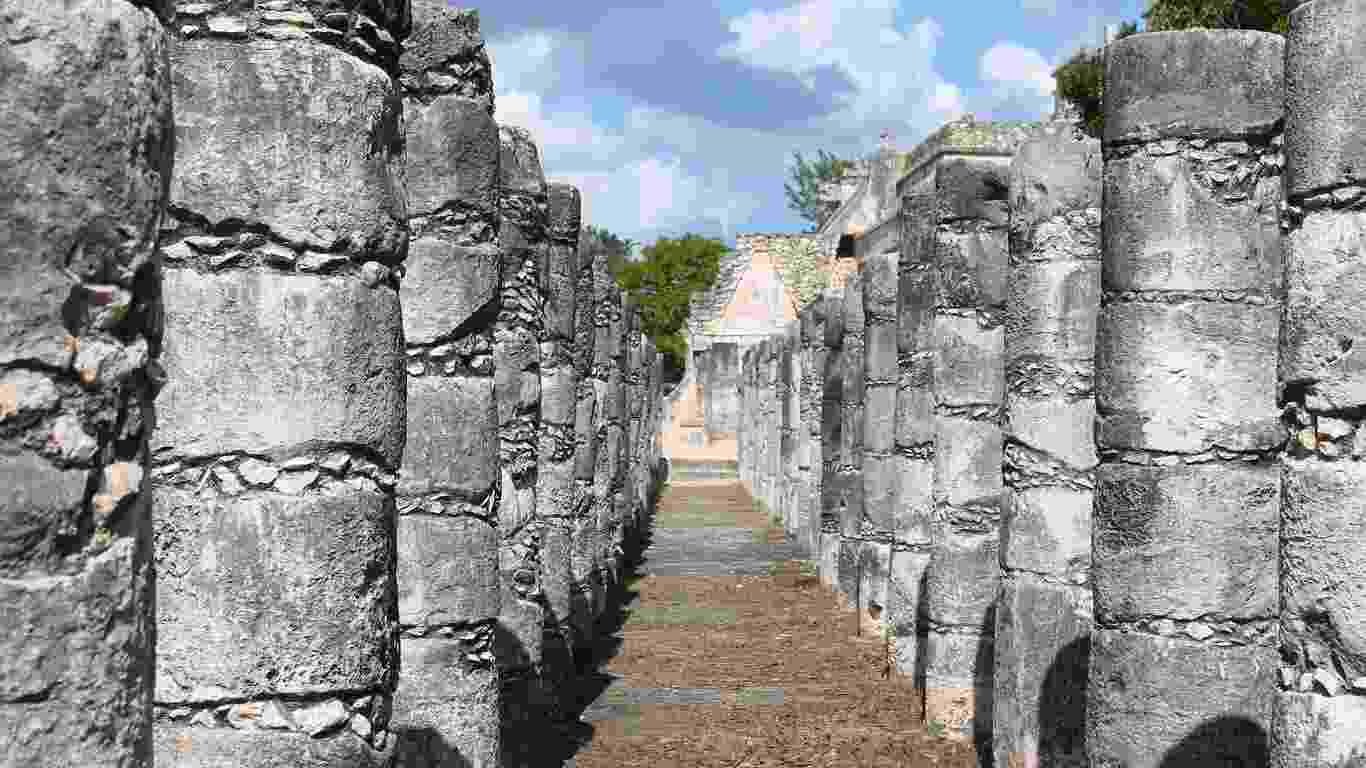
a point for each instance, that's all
(426, 748)
(1224, 742)
(983, 671)
(1062, 707)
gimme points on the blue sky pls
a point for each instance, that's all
(678, 116)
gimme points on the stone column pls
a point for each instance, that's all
(1321, 706)
(448, 701)
(1186, 515)
(556, 490)
(282, 424)
(915, 421)
(522, 241)
(789, 424)
(970, 216)
(851, 442)
(606, 378)
(812, 321)
(1043, 618)
(881, 475)
(588, 586)
(87, 155)
(832, 438)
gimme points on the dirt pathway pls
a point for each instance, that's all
(733, 655)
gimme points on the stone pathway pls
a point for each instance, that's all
(733, 655)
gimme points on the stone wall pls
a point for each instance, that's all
(1115, 474)
(329, 371)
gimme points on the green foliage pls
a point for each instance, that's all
(618, 249)
(799, 265)
(663, 282)
(1081, 82)
(803, 192)
(1265, 15)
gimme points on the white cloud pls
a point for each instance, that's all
(1013, 64)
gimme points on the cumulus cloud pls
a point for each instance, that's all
(1009, 63)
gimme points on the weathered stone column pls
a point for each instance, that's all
(915, 422)
(1321, 707)
(832, 439)
(970, 217)
(282, 424)
(812, 321)
(588, 586)
(851, 441)
(881, 473)
(1043, 614)
(789, 425)
(86, 152)
(1186, 517)
(522, 241)
(448, 704)
(556, 490)
(607, 387)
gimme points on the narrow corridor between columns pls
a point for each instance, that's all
(731, 653)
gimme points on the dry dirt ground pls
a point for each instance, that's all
(732, 654)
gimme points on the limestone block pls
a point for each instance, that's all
(1324, 138)
(561, 299)
(445, 287)
(879, 419)
(452, 437)
(971, 268)
(1058, 426)
(973, 187)
(962, 580)
(915, 406)
(1051, 317)
(1323, 594)
(448, 709)
(559, 387)
(447, 570)
(829, 559)
(1055, 174)
(238, 577)
(1047, 530)
(519, 165)
(849, 489)
(565, 206)
(440, 35)
(197, 747)
(1186, 377)
(519, 640)
(880, 352)
(880, 274)
(847, 569)
(1155, 701)
(968, 367)
(262, 137)
(1314, 731)
(875, 562)
(451, 154)
(967, 462)
(1325, 285)
(318, 359)
(1194, 83)
(516, 379)
(958, 683)
(880, 491)
(1043, 639)
(914, 511)
(906, 609)
(1186, 541)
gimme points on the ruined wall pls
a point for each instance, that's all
(881, 479)
(850, 474)
(86, 148)
(449, 699)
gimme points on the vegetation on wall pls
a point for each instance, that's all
(799, 266)
(1081, 80)
(663, 282)
(804, 191)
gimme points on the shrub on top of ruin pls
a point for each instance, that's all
(804, 191)
(1081, 82)
(669, 273)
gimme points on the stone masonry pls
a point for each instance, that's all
(86, 148)
(1043, 618)
(881, 478)
(850, 475)
(449, 699)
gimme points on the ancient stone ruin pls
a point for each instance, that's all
(323, 443)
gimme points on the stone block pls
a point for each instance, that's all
(1042, 643)
(852, 310)
(907, 610)
(880, 497)
(875, 562)
(88, 148)
(1155, 701)
(1325, 285)
(1167, 227)
(439, 35)
(445, 710)
(238, 577)
(971, 268)
(1058, 426)
(967, 462)
(1323, 535)
(1187, 377)
(829, 559)
(972, 187)
(186, 746)
(847, 576)
(880, 353)
(1051, 317)
(969, 366)
(879, 419)
(915, 409)
(1047, 530)
(1053, 174)
(914, 511)
(559, 388)
(1324, 140)
(1185, 542)
(78, 643)
(40, 500)
(452, 436)
(445, 287)
(519, 635)
(1196, 83)
(561, 298)
(262, 137)
(447, 570)
(269, 363)
(880, 287)
(450, 154)
(1313, 731)
(962, 580)
(519, 166)
(565, 207)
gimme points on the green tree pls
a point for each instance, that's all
(1265, 15)
(618, 248)
(663, 282)
(803, 192)
(1081, 82)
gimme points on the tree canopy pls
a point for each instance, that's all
(1081, 82)
(618, 248)
(663, 282)
(803, 191)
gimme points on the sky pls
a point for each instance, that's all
(682, 116)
